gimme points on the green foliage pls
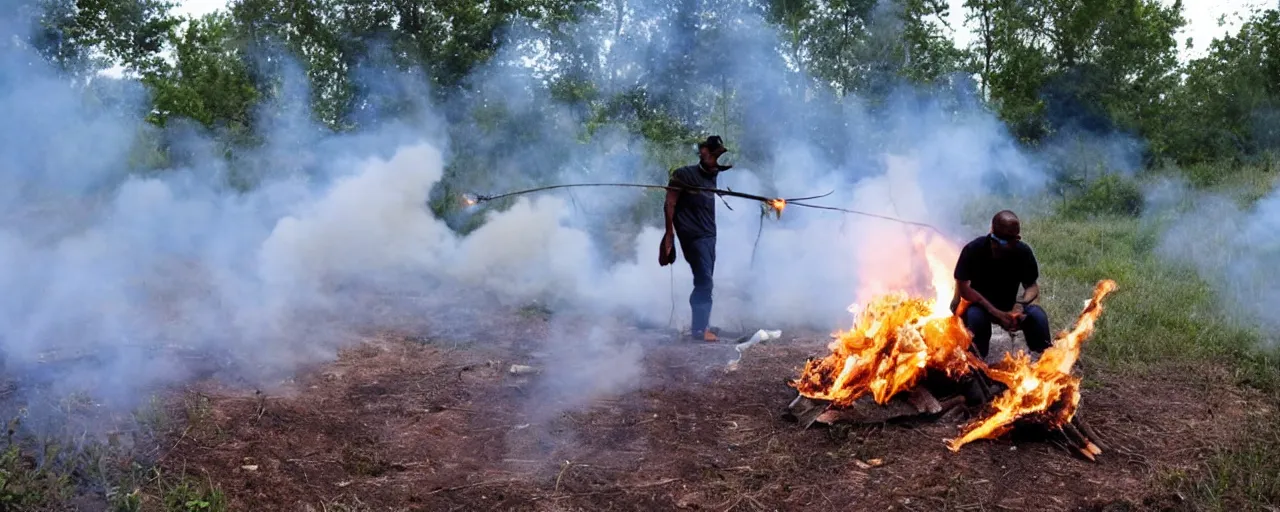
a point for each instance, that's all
(83, 37)
(26, 483)
(854, 46)
(209, 82)
(1225, 107)
(1109, 195)
(189, 495)
(1048, 62)
(64, 468)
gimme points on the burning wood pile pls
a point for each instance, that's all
(904, 353)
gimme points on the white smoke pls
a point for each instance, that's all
(100, 262)
(1233, 247)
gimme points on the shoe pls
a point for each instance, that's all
(708, 336)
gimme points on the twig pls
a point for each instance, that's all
(565, 467)
(664, 481)
(735, 504)
(468, 486)
(175, 445)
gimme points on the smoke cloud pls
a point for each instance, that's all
(1235, 248)
(125, 279)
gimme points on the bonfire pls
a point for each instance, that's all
(896, 338)
(898, 341)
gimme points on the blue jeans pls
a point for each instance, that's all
(701, 255)
(1035, 325)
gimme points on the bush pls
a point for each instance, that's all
(1111, 195)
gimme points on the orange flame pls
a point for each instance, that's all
(1045, 388)
(895, 340)
(778, 205)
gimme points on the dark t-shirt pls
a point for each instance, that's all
(695, 215)
(997, 279)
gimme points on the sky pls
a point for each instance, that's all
(1202, 19)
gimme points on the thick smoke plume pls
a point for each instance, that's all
(126, 279)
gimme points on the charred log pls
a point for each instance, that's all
(804, 410)
(1090, 433)
(924, 401)
(920, 403)
(866, 411)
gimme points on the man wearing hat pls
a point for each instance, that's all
(691, 217)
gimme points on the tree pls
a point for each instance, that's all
(86, 36)
(208, 81)
(1226, 104)
(1043, 62)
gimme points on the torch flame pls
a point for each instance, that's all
(777, 205)
(895, 340)
(1047, 387)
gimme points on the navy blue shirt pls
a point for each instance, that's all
(997, 279)
(695, 215)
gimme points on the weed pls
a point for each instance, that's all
(363, 462)
(535, 311)
(1245, 477)
(27, 483)
(1161, 314)
(1108, 195)
(201, 425)
(191, 495)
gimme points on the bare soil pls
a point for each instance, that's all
(402, 422)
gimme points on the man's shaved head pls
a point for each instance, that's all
(1004, 219)
(1006, 225)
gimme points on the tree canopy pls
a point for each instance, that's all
(658, 67)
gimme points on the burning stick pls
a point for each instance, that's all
(1046, 388)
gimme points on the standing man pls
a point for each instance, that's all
(691, 216)
(987, 275)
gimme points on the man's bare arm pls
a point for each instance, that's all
(1031, 293)
(971, 295)
(669, 209)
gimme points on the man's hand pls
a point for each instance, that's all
(668, 248)
(1018, 314)
(1007, 321)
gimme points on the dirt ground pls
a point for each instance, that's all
(405, 422)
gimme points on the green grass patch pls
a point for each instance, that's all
(1163, 314)
(1244, 477)
(61, 466)
(1160, 313)
(1109, 195)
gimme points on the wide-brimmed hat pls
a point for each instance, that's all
(714, 143)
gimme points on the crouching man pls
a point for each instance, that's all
(988, 273)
